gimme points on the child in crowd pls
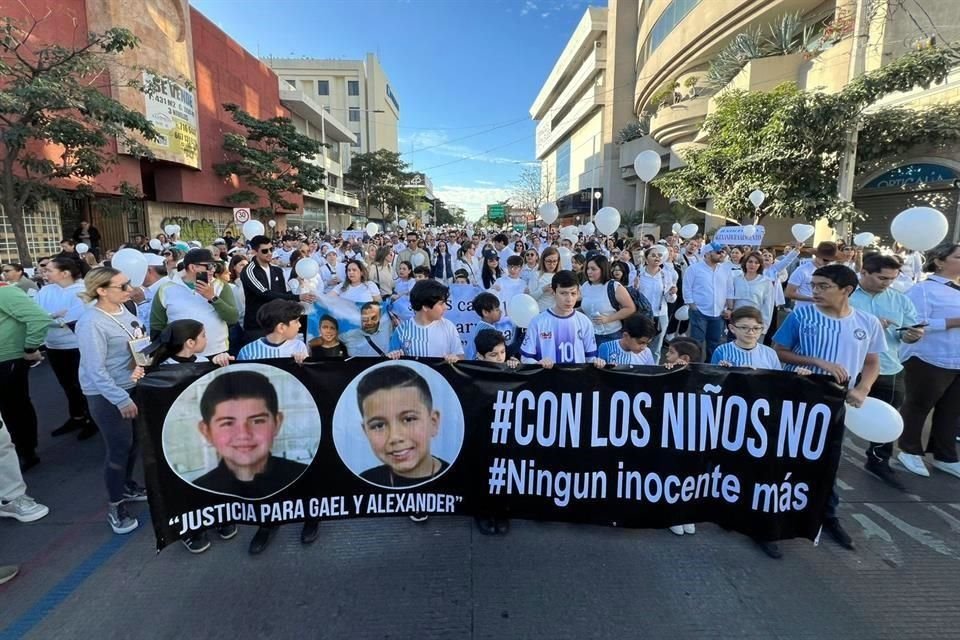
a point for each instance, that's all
(421, 273)
(561, 335)
(181, 342)
(746, 324)
(632, 347)
(491, 346)
(427, 334)
(487, 306)
(400, 300)
(511, 284)
(282, 319)
(460, 276)
(680, 353)
(328, 345)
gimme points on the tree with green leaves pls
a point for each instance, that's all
(56, 98)
(788, 143)
(384, 181)
(271, 156)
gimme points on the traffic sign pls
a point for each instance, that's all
(496, 211)
(241, 214)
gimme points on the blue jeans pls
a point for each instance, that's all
(706, 329)
(120, 437)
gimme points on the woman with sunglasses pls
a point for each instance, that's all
(441, 268)
(491, 268)
(105, 333)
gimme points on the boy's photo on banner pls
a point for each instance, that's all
(398, 425)
(247, 431)
(364, 327)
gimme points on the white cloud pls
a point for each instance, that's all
(474, 200)
(433, 141)
(486, 183)
(528, 6)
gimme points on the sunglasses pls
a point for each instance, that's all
(265, 251)
(123, 287)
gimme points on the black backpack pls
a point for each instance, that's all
(639, 301)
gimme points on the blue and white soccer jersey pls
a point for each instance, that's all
(435, 340)
(565, 340)
(760, 357)
(844, 341)
(263, 350)
(612, 353)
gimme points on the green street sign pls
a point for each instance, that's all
(496, 211)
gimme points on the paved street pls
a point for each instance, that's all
(397, 579)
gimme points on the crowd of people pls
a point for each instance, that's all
(884, 324)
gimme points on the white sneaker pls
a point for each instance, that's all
(689, 529)
(24, 509)
(677, 529)
(913, 463)
(953, 468)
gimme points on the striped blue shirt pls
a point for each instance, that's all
(760, 357)
(435, 340)
(263, 350)
(844, 341)
(612, 353)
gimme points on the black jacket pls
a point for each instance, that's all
(258, 293)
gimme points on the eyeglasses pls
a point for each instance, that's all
(752, 329)
(267, 250)
(123, 287)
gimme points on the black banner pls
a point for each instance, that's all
(274, 443)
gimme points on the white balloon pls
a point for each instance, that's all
(749, 231)
(589, 229)
(549, 212)
(522, 310)
(417, 259)
(919, 228)
(176, 229)
(647, 165)
(307, 269)
(252, 228)
(687, 231)
(82, 248)
(403, 223)
(371, 229)
(864, 239)
(272, 224)
(682, 314)
(170, 229)
(802, 232)
(757, 197)
(676, 228)
(156, 245)
(132, 264)
(607, 220)
(875, 421)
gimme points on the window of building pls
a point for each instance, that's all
(675, 12)
(357, 143)
(323, 87)
(353, 87)
(354, 114)
(292, 83)
(333, 181)
(562, 168)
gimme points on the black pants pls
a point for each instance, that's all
(930, 388)
(15, 406)
(891, 389)
(66, 365)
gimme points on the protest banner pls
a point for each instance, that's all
(734, 236)
(753, 451)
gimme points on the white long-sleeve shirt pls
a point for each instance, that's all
(708, 288)
(936, 301)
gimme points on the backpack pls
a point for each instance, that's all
(639, 301)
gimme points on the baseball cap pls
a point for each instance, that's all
(712, 246)
(153, 260)
(490, 254)
(197, 256)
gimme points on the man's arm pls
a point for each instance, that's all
(158, 315)
(253, 287)
(792, 293)
(226, 306)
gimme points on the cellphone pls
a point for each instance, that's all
(916, 326)
(203, 277)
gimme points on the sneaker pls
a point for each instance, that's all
(310, 532)
(689, 529)
(8, 572)
(69, 426)
(772, 549)
(913, 463)
(120, 521)
(227, 531)
(132, 492)
(88, 431)
(197, 543)
(677, 529)
(260, 540)
(503, 526)
(419, 517)
(486, 525)
(883, 471)
(24, 509)
(953, 468)
(833, 528)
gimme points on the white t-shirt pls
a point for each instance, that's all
(363, 292)
(760, 357)
(802, 278)
(565, 340)
(435, 340)
(844, 341)
(506, 288)
(596, 302)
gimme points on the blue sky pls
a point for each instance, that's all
(464, 71)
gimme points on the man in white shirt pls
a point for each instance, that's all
(708, 292)
(798, 286)
(155, 278)
(502, 244)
